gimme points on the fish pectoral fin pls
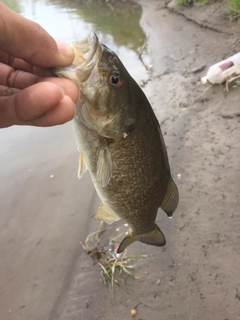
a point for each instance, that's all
(82, 166)
(170, 201)
(104, 166)
(105, 215)
(154, 238)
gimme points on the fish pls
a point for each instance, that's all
(120, 142)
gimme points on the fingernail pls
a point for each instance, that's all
(65, 49)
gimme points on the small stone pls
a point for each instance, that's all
(133, 313)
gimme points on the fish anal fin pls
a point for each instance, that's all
(105, 215)
(82, 166)
(170, 201)
(154, 238)
(104, 166)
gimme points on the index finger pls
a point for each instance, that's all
(25, 39)
(20, 80)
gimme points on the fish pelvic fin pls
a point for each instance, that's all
(82, 166)
(170, 201)
(104, 166)
(105, 215)
(154, 238)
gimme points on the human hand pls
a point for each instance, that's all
(29, 95)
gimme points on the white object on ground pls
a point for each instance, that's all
(223, 70)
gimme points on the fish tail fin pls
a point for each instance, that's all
(170, 201)
(126, 242)
(154, 238)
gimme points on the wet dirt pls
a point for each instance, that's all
(196, 276)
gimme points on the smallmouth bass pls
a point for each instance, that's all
(120, 143)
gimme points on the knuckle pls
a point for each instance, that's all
(13, 78)
(5, 91)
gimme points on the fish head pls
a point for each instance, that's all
(107, 92)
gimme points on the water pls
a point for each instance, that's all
(117, 25)
(45, 210)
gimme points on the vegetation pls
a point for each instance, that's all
(192, 2)
(234, 7)
(197, 2)
(113, 266)
(120, 19)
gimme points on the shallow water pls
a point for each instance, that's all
(117, 25)
(45, 210)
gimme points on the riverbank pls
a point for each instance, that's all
(46, 211)
(196, 276)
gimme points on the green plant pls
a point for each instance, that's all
(112, 265)
(185, 2)
(196, 2)
(234, 7)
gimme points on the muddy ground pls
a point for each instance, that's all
(197, 275)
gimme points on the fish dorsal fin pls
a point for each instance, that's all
(105, 215)
(170, 201)
(154, 238)
(104, 166)
(82, 166)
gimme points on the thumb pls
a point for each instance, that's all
(31, 106)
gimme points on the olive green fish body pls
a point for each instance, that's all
(139, 177)
(120, 142)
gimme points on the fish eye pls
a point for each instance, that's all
(116, 80)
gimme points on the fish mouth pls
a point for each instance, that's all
(87, 54)
(91, 62)
(85, 49)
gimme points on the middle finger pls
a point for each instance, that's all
(20, 64)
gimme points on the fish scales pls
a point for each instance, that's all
(130, 193)
(120, 142)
